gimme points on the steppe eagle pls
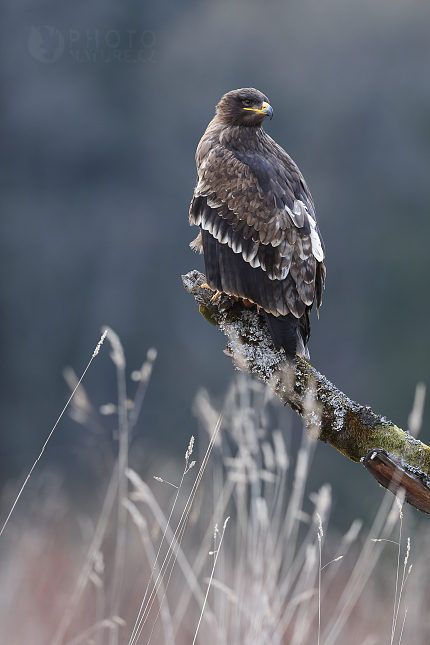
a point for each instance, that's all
(259, 232)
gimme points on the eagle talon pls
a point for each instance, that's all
(216, 296)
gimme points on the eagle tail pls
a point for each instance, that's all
(290, 333)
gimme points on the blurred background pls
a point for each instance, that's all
(103, 105)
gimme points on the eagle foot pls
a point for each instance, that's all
(216, 296)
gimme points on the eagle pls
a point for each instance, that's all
(258, 228)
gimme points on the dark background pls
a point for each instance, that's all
(98, 143)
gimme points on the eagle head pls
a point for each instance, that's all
(247, 107)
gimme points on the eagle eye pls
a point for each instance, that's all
(246, 101)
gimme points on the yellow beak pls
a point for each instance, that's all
(266, 109)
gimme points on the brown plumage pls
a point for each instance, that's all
(259, 232)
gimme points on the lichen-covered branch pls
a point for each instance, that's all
(396, 459)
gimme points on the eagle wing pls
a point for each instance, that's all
(259, 229)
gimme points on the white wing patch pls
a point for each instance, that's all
(298, 214)
(317, 249)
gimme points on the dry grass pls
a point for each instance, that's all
(232, 549)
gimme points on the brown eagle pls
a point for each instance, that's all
(259, 232)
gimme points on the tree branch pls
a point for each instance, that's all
(395, 458)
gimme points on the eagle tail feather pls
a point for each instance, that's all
(286, 332)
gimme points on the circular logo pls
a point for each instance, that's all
(45, 44)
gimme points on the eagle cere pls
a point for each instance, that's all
(259, 231)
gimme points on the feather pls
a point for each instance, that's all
(298, 246)
(306, 228)
(211, 261)
(247, 231)
(285, 262)
(306, 248)
(293, 300)
(280, 273)
(308, 270)
(273, 228)
(291, 234)
(278, 237)
(284, 332)
(207, 216)
(298, 270)
(306, 291)
(281, 305)
(224, 232)
(236, 243)
(298, 213)
(285, 249)
(196, 244)
(317, 249)
(255, 262)
(196, 219)
(249, 250)
(264, 235)
(215, 223)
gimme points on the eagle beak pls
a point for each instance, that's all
(266, 109)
